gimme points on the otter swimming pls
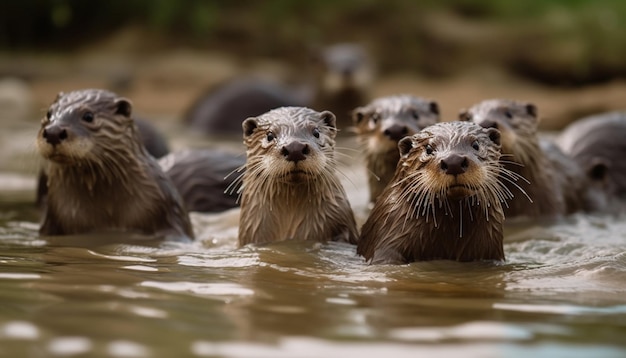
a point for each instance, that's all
(100, 176)
(381, 124)
(444, 201)
(290, 189)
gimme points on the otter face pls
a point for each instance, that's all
(73, 122)
(345, 67)
(290, 144)
(453, 160)
(517, 121)
(383, 122)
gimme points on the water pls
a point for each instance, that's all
(561, 292)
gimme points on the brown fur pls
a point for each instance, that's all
(100, 176)
(381, 124)
(284, 198)
(553, 184)
(424, 215)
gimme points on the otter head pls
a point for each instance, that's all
(343, 67)
(384, 121)
(290, 144)
(452, 160)
(517, 122)
(73, 130)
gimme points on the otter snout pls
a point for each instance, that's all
(396, 132)
(54, 134)
(295, 151)
(488, 123)
(454, 164)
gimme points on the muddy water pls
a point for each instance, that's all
(561, 292)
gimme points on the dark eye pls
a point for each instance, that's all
(475, 145)
(316, 133)
(429, 149)
(270, 136)
(88, 117)
(508, 114)
(415, 115)
(49, 114)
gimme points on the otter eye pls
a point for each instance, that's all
(429, 149)
(270, 136)
(415, 115)
(316, 133)
(475, 145)
(508, 114)
(88, 117)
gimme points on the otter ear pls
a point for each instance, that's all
(249, 125)
(465, 115)
(329, 119)
(494, 135)
(434, 107)
(405, 145)
(59, 95)
(531, 109)
(598, 169)
(123, 107)
(358, 114)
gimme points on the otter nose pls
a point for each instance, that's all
(295, 151)
(396, 132)
(489, 123)
(454, 164)
(54, 134)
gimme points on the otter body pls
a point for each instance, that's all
(597, 144)
(290, 189)
(381, 124)
(100, 176)
(553, 184)
(444, 201)
(203, 177)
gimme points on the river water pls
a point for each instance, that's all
(560, 293)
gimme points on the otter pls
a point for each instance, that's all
(445, 201)
(381, 124)
(202, 177)
(548, 183)
(597, 144)
(100, 176)
(290, 189)
(341, 78)
(152, 139)
(345, 73)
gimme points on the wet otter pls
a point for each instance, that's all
(100, 176)
(381, 124)
(152, 139)
(553, 183)
(290, 189)
(444, 201)
(597, 144)
(202, 177)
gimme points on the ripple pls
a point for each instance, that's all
(70, 345)
(19, 330)
(123, 348)
(208, 289)
(561, 309)
(19, 276)
(467, 331)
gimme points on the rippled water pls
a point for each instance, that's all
(561, 292)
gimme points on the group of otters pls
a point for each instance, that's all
(438, 190)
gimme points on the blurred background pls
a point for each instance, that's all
(566, 56)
